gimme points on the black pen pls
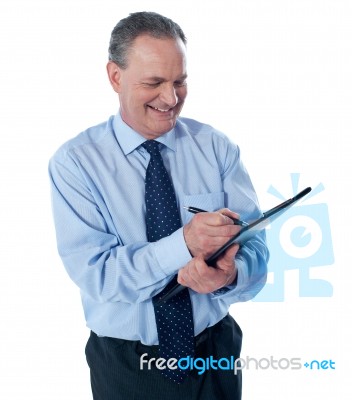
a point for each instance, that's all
(196, 210)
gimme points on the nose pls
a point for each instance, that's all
(168, 95)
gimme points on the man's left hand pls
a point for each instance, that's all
(197, 275)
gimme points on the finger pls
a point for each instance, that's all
(185, 279)
(229, 255)
(197, 275)
(182, 277)
(199, 270)
(212, 219)
(186, 275)
(221, 231)
(226, 260)
(201, 278)
(227, 212)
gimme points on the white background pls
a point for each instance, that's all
(274, 75)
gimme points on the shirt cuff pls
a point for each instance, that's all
(172, 252)
(237, 285)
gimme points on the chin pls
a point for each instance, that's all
(161, 129)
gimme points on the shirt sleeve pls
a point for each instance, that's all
(252, 258)
(93, 254)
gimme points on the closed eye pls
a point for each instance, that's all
(156, 83)
(152, 85)
(180, 83)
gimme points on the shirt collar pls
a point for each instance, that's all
(129, 139)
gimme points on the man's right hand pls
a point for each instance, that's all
(208, 231)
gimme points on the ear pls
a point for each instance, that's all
(114, 74)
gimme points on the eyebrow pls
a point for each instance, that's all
(159, 79)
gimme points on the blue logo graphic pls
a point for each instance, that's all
(299, 239)
(317, 365)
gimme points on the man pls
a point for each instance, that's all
(119, 190)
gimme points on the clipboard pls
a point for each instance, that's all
(245, 234)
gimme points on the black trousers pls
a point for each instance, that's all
(116, 373)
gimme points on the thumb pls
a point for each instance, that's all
(230, 253)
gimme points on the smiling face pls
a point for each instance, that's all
(152, 89)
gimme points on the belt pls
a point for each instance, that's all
(200, 338)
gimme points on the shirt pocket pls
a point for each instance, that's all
(204, 201)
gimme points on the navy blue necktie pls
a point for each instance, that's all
(174, 318)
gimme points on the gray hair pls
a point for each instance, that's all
(136, 24)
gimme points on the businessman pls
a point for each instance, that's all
(118, 191)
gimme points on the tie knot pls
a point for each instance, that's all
(152, 147)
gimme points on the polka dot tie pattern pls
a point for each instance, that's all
(174, 318)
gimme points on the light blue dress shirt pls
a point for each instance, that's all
(97, 182)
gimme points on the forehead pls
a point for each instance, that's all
(151, 52)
